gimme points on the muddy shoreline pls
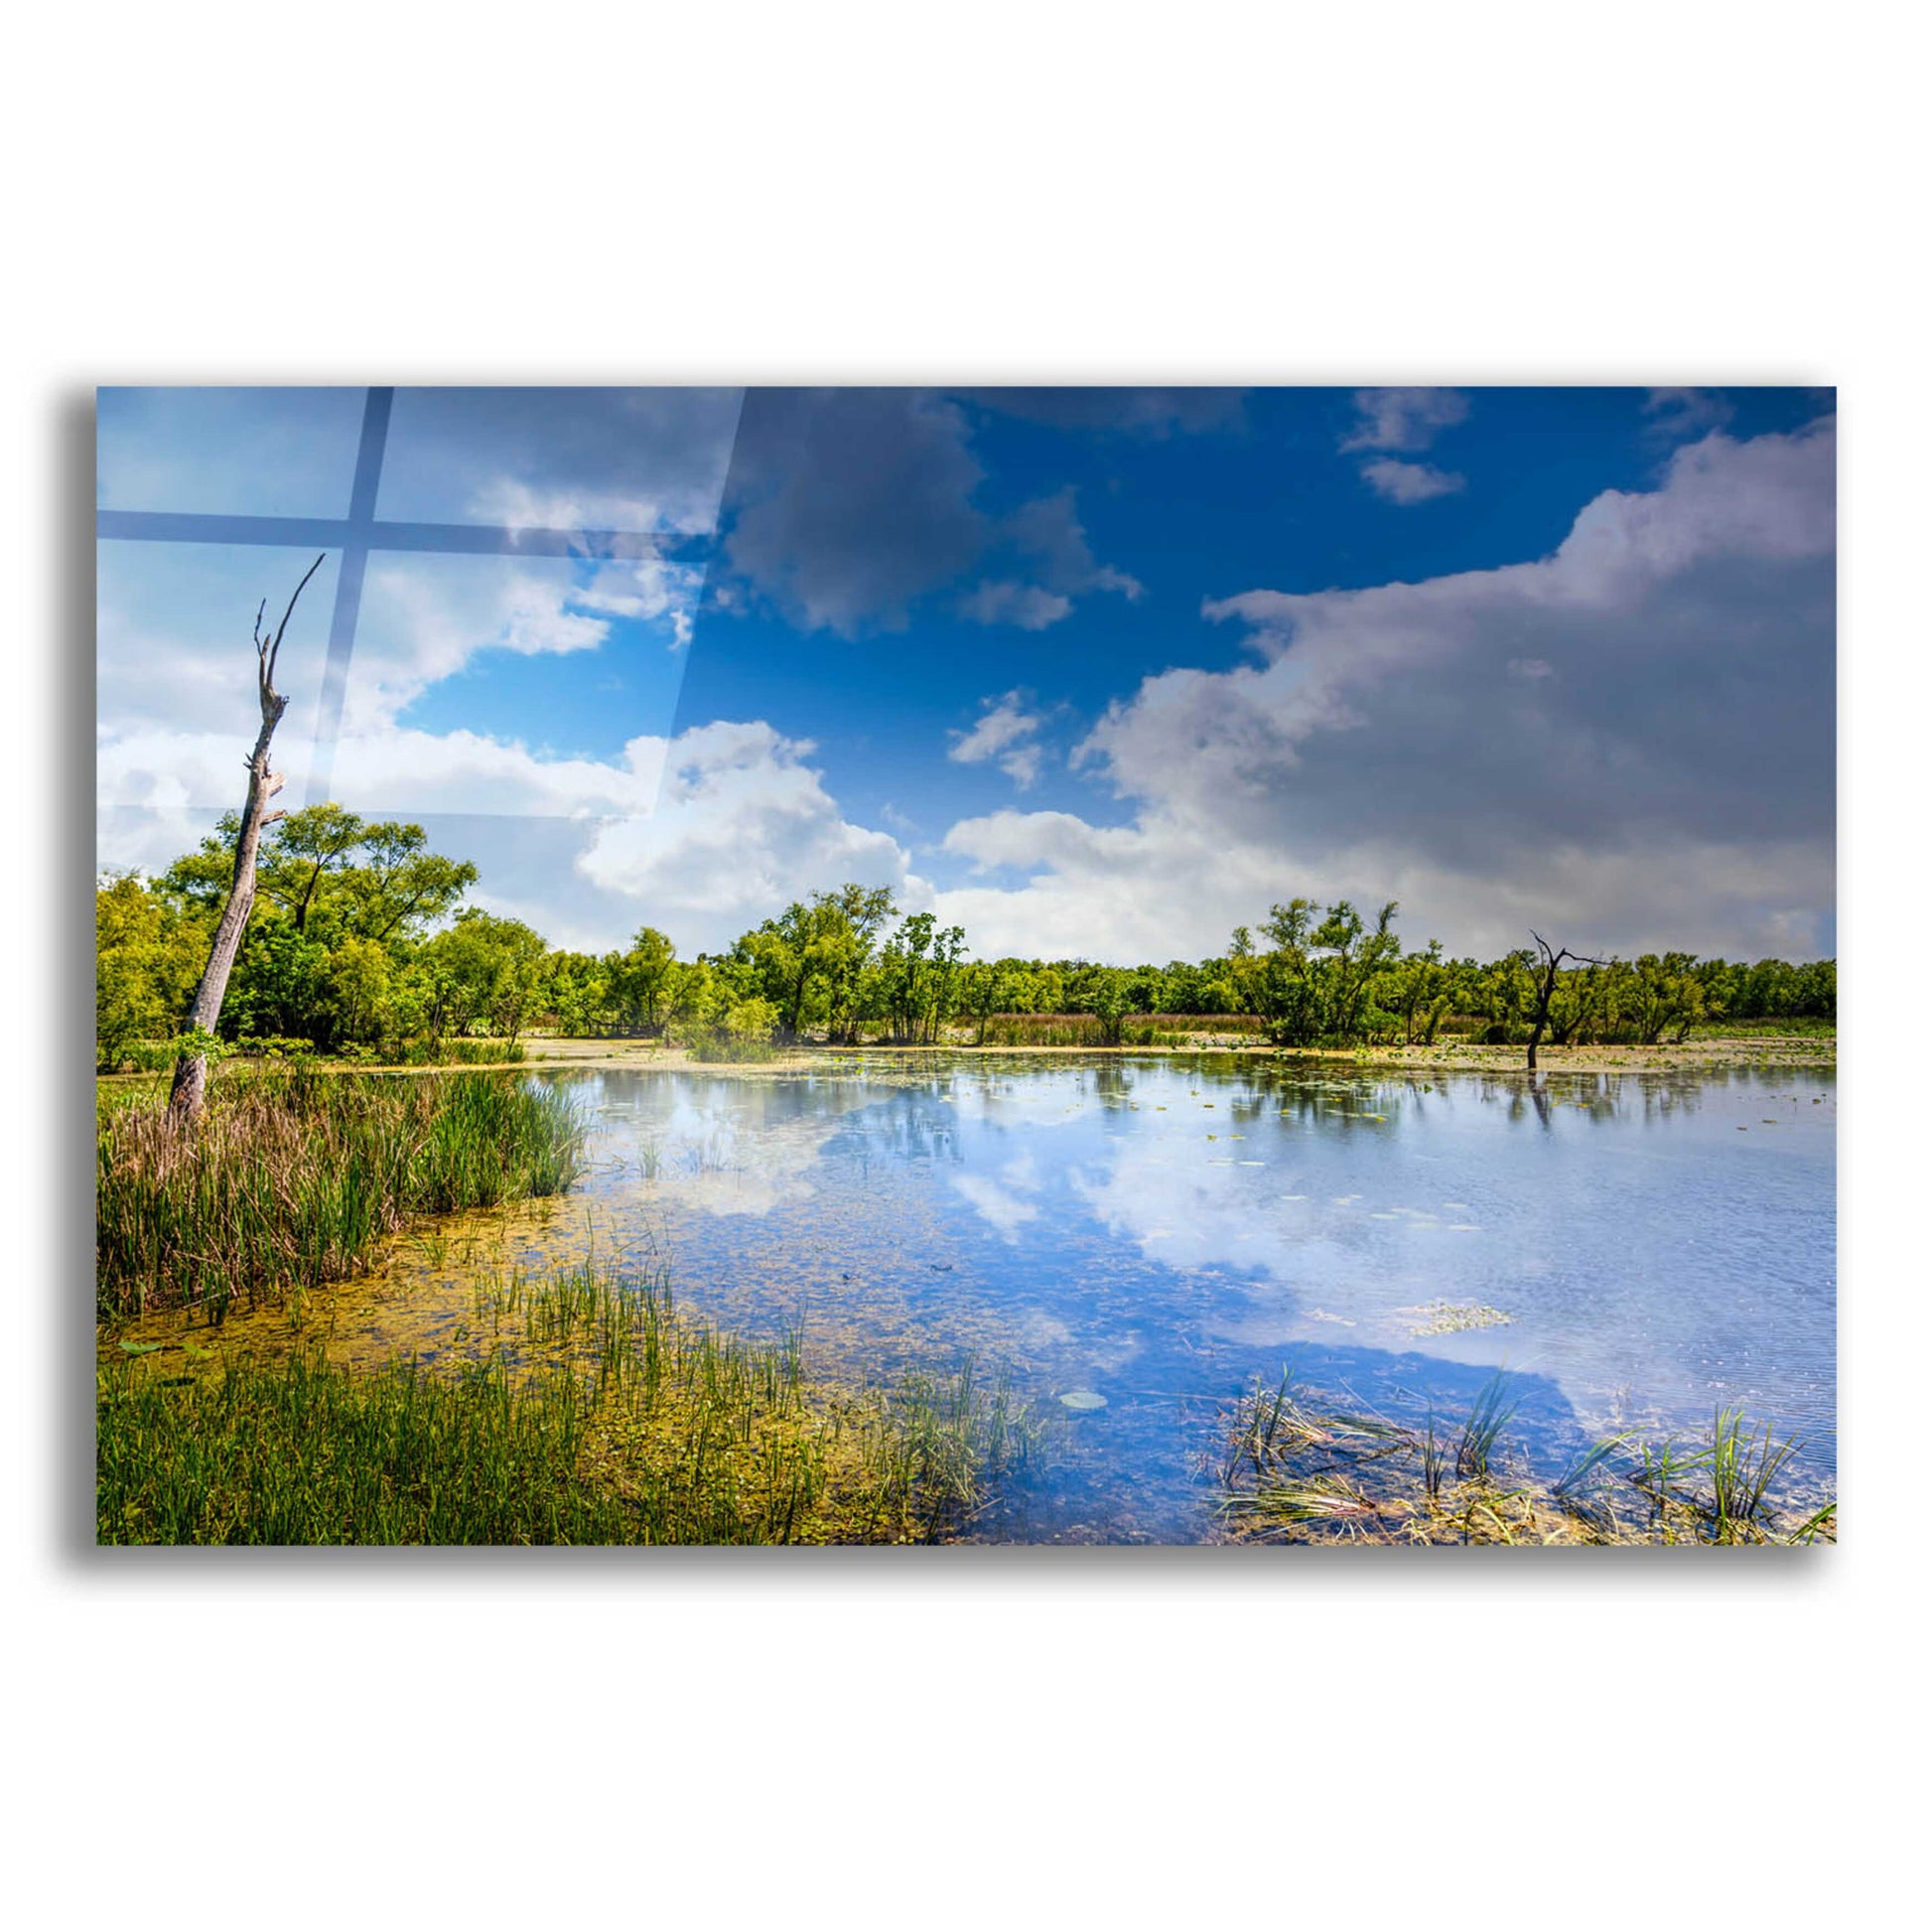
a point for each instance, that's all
(1455, 1057)
(1451, 1056)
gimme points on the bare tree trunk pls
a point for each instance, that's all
(1546, 988)
(189, 1092)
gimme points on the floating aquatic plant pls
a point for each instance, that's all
(1454, 1317)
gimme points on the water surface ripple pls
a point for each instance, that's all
(1157, 1233)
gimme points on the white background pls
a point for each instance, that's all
(1395, 193)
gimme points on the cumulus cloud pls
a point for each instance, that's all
(701, 834)
(646, 588)
(1585, 738)
(1402, 419)
(424, 618)
(1396, 482)
(631, 460)
(1004, 730)
(1026, 605)
(741, 825)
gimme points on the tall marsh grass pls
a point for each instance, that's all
(1297, 1473)
(291, 1178)
(591, 1408)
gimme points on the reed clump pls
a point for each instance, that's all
(589, 1408)
(291, 1178)
(1294, 1472)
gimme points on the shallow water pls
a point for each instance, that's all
(1157, 1233)
(1150, 1236)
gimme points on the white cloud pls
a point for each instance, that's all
(647, 590)
(424, 619)
(1025, 604)
(1403, 419)
(1396, 482)
(741, 826)
(1004, 732)
(702, 835)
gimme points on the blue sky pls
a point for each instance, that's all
(1093, 672)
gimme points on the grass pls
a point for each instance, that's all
(159, 1056)
(1475, 1449)
(451, 1053)
(1294, 1473)
(1810, 1027)
(588, 1409)
(727, 1049)
(1137, 1030)
(292, 1177)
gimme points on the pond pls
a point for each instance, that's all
(1133, 1242)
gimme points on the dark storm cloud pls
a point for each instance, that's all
(848, 505)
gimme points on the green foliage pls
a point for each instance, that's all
(918, 976)
(148, 960)
(745, 1033)
(324, 864)
(481, 969)
(341, 955)
(814, 961)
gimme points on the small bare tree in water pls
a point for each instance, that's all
(1546, 985)
(189, 1092)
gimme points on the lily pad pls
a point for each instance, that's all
(1082, 1400)
(140, 1348)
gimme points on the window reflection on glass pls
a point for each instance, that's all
(229, 451)
(586, 460)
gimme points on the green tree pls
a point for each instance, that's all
(643, 981)
(148, 955)
(485, 969)
(379, 881)
(918, 969)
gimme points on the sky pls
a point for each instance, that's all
(1094, 673)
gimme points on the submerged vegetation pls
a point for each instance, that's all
(588, 1409)
(1295, 1470)
(292, 1177)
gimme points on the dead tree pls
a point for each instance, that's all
(189, 1091)
(1546, 985)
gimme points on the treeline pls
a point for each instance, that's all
(360, 947)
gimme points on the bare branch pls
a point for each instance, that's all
(268, 674)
